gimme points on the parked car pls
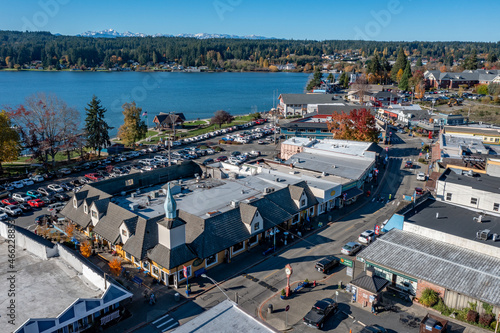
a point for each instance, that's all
(351, 248)
(221, 158)
(93, 176)
(11, 210)
(326, 264)
(9, 201)
(37, 178)
(208, 161)
(33, 194)
(36, 203)
(409, 164)
(76, 183)
(320, 312)
(44, 192)
(55, 188)
(366, 236)
(235, 153)
(27, 182)
(67, 186)
(373, 329)
(421, 176)
(3, 216)
(419, 191)
(17, 184)
(65, 171)
(25, 207)
(61, 196)
(20, 197)
(48, 200)
(55, 207)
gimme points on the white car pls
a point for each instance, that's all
(37, 178)
(421, 176)
(55, 188)
(17, 184)
(27, 182)
(19, 197)
(366, 236)
(3, 216)
(65, 171)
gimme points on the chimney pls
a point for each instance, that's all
(369, 271)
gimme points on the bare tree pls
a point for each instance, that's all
(361, 85)
(51, 120)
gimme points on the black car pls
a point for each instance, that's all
(208, 161)
(76, 183)
(320, 312)
(49, 175)
(67, 186)
(373, 329)
(61, 196)
(25, 207)
(327, 263)
(235, 153)
(48, 200)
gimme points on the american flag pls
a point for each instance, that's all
(145, 113)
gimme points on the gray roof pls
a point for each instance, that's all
(481, 182)
(305, 123)
(247, 212)
(283, 198)
(466, 75)
(473, 130)
(308, 98)
(453, 267)
(225, 317)
(170, 258)
(347, 108)
(453, 220)
(110, 220)
(144, 238)
(296, 192)
(384, 94)
(372, 283)
(349, 167)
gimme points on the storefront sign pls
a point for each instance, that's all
(346, 262)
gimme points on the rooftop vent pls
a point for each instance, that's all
(235, 203)
(269, 189)
(478, 219)
(134, 206)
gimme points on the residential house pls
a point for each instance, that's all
(165, 120)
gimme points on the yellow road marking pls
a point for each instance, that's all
(270, 274)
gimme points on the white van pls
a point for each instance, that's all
(56, 207)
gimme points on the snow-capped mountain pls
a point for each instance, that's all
(111, 33)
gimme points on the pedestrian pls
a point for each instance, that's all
(374, 305)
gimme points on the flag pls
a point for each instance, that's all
(145, 113)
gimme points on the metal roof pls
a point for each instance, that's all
(308, 99)
(479, 181)
(465, 271)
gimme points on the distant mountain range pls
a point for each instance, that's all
(111, 33)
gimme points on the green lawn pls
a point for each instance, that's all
(195, 123)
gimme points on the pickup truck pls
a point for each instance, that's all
(320, 312)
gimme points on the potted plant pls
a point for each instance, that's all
(283, 294)
(306, 282)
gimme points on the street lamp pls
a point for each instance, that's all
(216, 284)
(273, 233)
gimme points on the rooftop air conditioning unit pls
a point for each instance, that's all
(269, 189)
(134, 206)
(235, 203)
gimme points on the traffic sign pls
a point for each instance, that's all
(346, 262)
(287, 308)
(377, 230)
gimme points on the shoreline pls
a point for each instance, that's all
(142, 71)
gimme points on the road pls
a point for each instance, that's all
(253, 288)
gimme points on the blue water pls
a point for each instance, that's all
(197, 95)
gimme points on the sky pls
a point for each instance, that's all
(385, 20)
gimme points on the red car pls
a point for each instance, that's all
(221, 159)
(37, 203)
(9, 201)
(93, 176)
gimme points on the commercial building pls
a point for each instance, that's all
(301, 104)
(448, 248)
(54, 289)
(469, 78)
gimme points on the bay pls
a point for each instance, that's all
(197, 95)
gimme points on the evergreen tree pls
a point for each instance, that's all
(404, 82)
(492, 57)
(401, 61)
(316, 80)
(419, 62)
(471, 61)
(96, 128)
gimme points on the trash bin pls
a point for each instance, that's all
(177, 297)
(270, 308)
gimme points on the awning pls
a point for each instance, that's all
(351, 193)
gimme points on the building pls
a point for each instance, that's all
(405, 114)
(165, 120)
(440, 246)
(476, 191)
(469, 78)
(384, 98)
(225, 317)
(209, 221)
(300, 104)
(56, 289)
(490, 135)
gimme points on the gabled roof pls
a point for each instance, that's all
(109, 223)
(247, 213)
(144, 238)
(101, 205)
(170, 258)
(296, 192)
(373, 283)
(163, 118)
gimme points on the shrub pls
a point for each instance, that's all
(493, 325)
(485, 319)
(441, 307)
(472, 316)
(429, 297)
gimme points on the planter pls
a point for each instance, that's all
(283, 297)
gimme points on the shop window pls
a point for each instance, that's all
(238, 247)
(128, 256)
(296, 219)
(181, 273)
(156, 271)
(145, 265)
(495, 207)
(211, 260)
(448, 196)
(311, 130)
(473, 201)
(253, 240)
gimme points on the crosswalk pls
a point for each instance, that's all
(165, 323)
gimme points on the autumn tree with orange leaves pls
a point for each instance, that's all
(86, 249)
(115, 266)
(358, 125)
